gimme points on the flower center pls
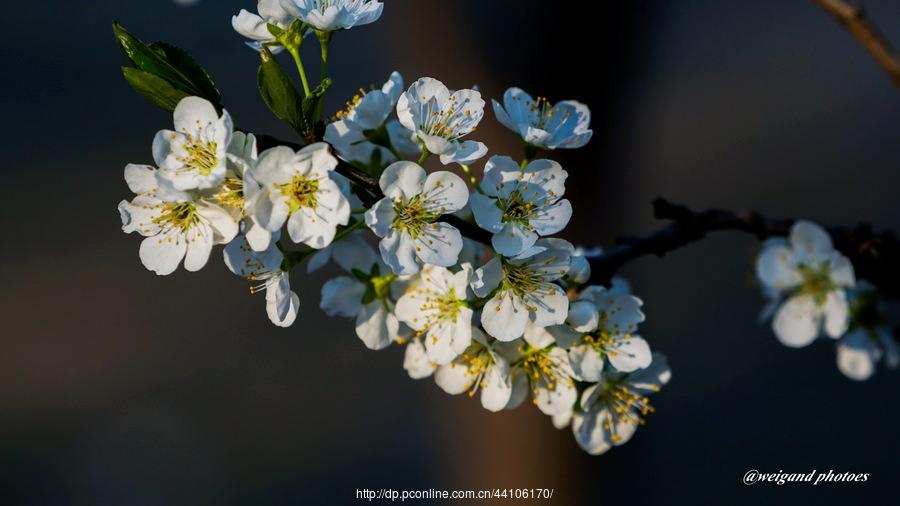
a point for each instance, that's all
(518, 210)
(231, 193)
(625, 406)
(412, 215)
(301, 192)
(201, 156)
(543, 370)
(178, 215)
(450, 122)
(477, 359)
(816, 281)
(544, 110)
(520, 280)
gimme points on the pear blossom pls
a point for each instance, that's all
(333, 15)
(543, 368)
(607, 319)
(523, 291)
(265, 269)
(806, 279)
(193, 156)
(480, 367)
(406, 218)
(518, 205)
(256, 26)
(440, 118)
(435, 306)
(298, 188)
(542, 124)
(611, 410)
(176, 224)
(415, 360)
(366, 295)
(362, 132)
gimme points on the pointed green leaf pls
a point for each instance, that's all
(279, 93)
(153, 88)
(184, 63)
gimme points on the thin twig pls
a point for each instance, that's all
(854, 19)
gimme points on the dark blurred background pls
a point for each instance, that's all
(121, 387)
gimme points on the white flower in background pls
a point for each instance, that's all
(808, 278)
(366, 296)
(333, 15)
(406, 217)
(361, 132)
(297, 188)
(479, 367)
(440, 119)
(611, 410)
(580, 270)
(543, 367)
(177, 225)
(264, 269)
(435, 306)
(543, 125)
(256, 27)
(862, 348)
(518, 206)
(524, 291)
(193, 155)
(608, 319)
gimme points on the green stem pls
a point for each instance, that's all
(324, 39)
(425, 155)
(530, 153)
(295, 52)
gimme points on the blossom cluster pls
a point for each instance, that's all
(813, 291)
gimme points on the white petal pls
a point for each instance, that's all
(453, 378)
(497, 387)
(402, 180)
(465, 153)
(487, 214)
(775, 269)
(487, 277)
(797, 322)
(376, 326)
(629, 354)
(513, 239)
(583, 316)
(811, 242)
(837, 313)
(162, 253)
(342, 296)
(587, 363)
(504, 317)
(856, 355)
(438, 244)
(398, 250)
(445, 192)
(416, 362)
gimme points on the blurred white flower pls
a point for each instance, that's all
(440, 118)
(332, 15)
(297, 188)
(435, 306)
(861, 349)
(176, 224)
(406, 218)
(518, 206)
(479, 367)
(542, 124)
(193, 155)
(524, 291)
(264, 269)
(256, 27)
(611, 410)
(807, 277)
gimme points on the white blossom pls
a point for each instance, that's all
(518, 206)
(440, 118)
(265, 270)
(193, 155)
(806, 278)
(479, 367)
(611, 410)
(176, 224)
(861, 349)
(298, 188)
(525, 291)
(256, 26)
(608, 320)
(361, 132)
(435, 307)
(543, 368)
(542, 124)
(406, 218)
(332, 15)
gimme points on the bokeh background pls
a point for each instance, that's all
(121, 387)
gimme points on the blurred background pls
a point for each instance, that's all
(121, 387)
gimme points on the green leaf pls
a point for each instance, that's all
(153, 88)
(184, 63)
(279, 93)
(170, 65)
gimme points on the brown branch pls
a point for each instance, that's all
(854, 19)
(875, 256)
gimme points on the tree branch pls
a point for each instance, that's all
(854, 19)
(875, 256)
